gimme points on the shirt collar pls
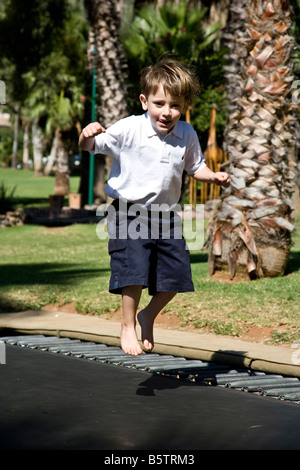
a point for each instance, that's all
(152, 131)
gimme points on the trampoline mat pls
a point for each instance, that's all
(51, 402)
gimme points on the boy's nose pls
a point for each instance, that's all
(166, 111)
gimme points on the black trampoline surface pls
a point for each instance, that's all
(51, 402)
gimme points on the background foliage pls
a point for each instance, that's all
(180, 31)
(44, 63)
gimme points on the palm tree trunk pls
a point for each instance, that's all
(26, 139)
(38, 148)
(53, 153)
(99, 180)
(251, 229)
(62, 183)
(16, 139)
(106, 55)
(105, 51)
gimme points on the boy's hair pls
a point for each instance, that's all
(176, 78)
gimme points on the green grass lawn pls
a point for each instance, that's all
(40, 265)
(30, 190)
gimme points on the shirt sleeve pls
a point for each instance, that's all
(194, 159)
(110, 142)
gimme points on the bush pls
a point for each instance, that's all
(6, 198)
(6, 145)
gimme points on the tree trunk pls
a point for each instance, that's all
(16, 139)
(106, 55)
(250, 233)
(53, 153)
(26, 139)
(38, 148)
(62, 183)
(99, 179)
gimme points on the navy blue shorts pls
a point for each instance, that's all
(160, 262)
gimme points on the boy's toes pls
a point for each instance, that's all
(129, 342)
(148, 345)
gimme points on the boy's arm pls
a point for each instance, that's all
(88, 134)
(207, 176)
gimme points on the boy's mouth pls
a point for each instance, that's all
(164, 122)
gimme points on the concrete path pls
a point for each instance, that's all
(269, 359)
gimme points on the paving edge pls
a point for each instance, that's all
(268, 359)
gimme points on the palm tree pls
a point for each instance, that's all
(106, 51)
(55, 101)
(105, 54)
(251, 229)
(62, 116)
(232, 38)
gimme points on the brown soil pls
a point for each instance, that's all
(67, 308)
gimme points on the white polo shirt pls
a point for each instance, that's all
(148, 168)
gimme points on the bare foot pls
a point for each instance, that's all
(146, 324)
(129, 341)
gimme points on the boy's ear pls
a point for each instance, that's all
(144, 103)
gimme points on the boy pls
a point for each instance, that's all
(150, 153)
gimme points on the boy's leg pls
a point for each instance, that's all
(130, 300)
(146, 317)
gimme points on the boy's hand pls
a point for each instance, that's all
(93, 129)
(222, 179)
(86, 139)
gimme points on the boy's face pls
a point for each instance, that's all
(164, 110)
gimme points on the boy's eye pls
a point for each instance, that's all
(162, 104)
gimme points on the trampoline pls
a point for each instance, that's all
(57, 402)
